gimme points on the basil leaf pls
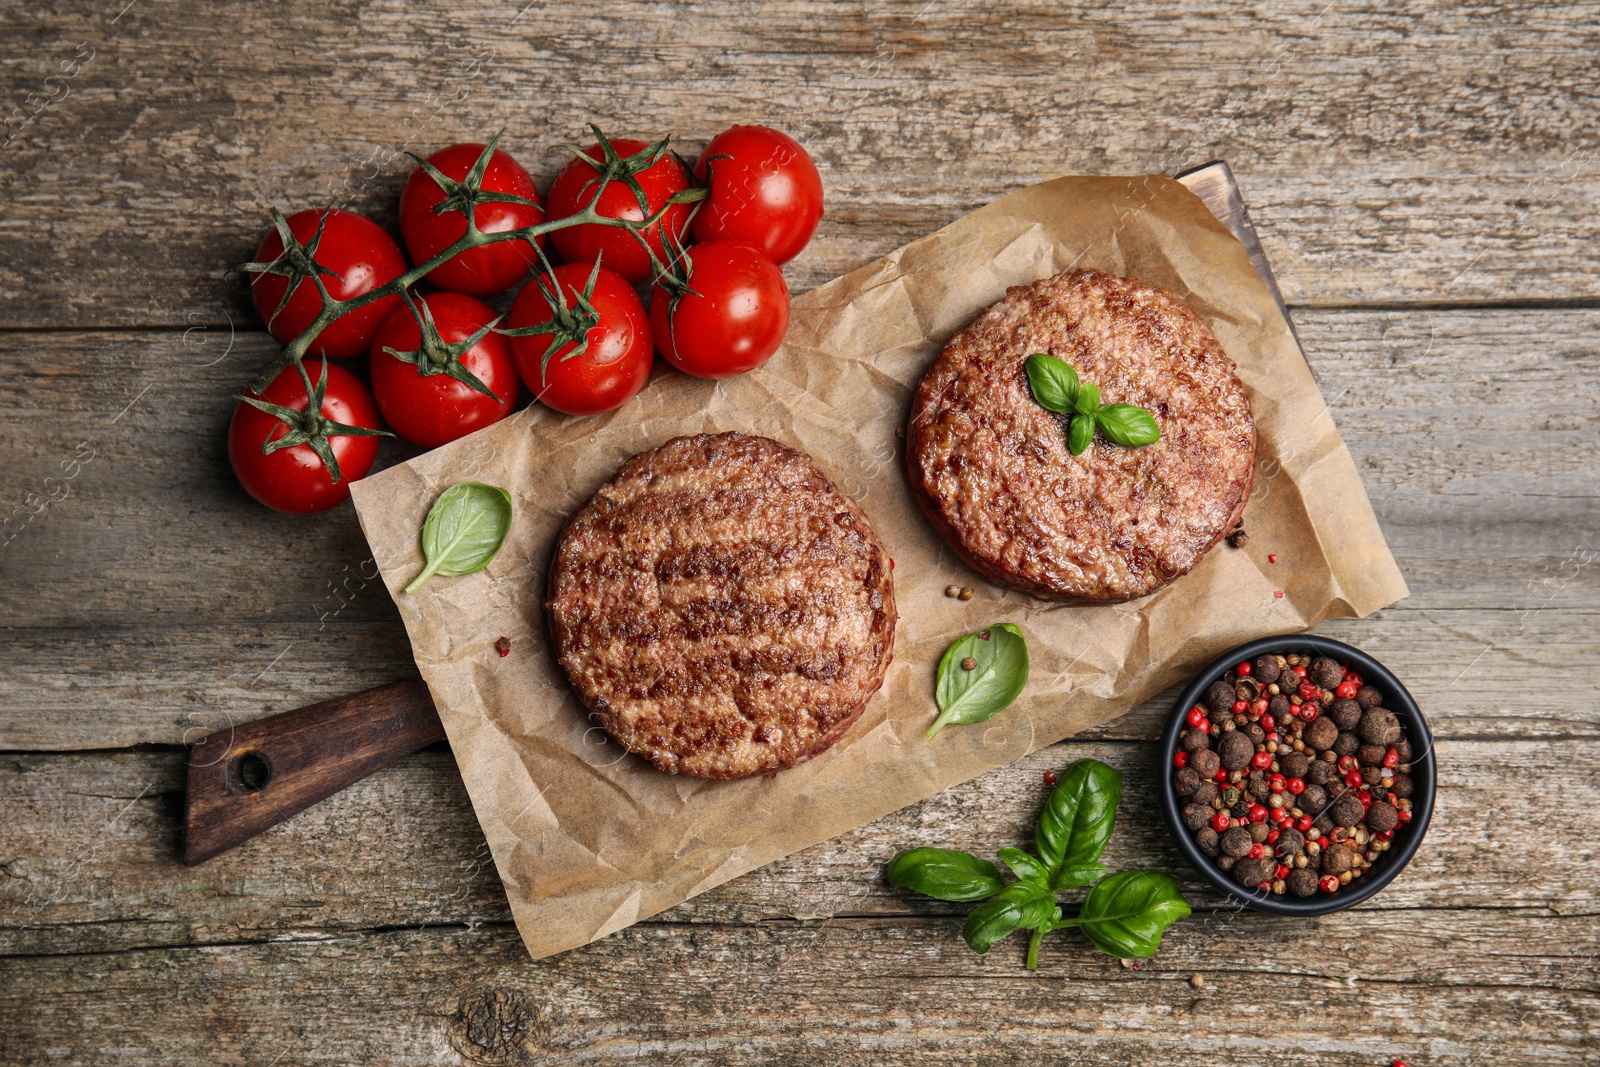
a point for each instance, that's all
(945, 874)
(1020, 906)
(1077, 821)
(464, 530)
(1088, 399)
(1128, 425)
(1080, 435)
(1052, 381)
(1126, 913)
(999, 657)
(1025, 867)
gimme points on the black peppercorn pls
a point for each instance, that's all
(1382, 817)
(1205, 794)
(1186, 781)
(1347, 810)
(1380, 726)
(1372, 755)
(1368, 697)
(1193, 740)
(1346, 713)
(1206, 838)
(1338, 858)
(1320, 733)
(1220, 698)
(1240, 810)
(1302, 882)
(1318, 774)
(1251, 873)
(1236, 750)
(1258, 788)
(1195, 816)
(1235, 842)
(1206, 762)
(1313, 800)
(1402, 786)
(1293, 764)
(1346, 744)
(1325, 672)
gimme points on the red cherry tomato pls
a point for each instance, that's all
(434, 408)
(613, 366)
(481, 271)
(579, 184)
(767, 192)
(734, 319)
(293, 479)
(360, 255)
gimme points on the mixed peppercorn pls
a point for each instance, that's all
(1293, 775)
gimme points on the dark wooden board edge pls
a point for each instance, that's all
(247, 778)
(1217, 188)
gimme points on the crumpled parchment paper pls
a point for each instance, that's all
(589, 839)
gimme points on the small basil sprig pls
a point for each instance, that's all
(1124, 914)
(980, 675)
(1055, 385)
(464, 530)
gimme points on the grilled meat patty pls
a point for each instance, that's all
(721, 608)
(991, 467)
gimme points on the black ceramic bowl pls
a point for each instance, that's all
(1406, 839)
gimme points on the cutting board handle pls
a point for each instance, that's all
(246, 778)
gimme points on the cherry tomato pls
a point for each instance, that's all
(294, 479)
(480, 271)
(767, 192)
(734, 319)
(360, 255)
(578, 185)
(430, 409)
(616, 361)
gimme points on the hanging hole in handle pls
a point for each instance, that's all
(248, 773)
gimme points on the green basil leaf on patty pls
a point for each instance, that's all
(1052, 381)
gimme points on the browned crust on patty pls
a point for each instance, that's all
(991, 467)
(721, 608)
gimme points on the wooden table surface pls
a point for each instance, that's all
(1426, 183)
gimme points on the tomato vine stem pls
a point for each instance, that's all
(297, 263)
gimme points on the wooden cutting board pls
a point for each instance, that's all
(248, 778)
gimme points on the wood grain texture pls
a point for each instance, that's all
(1424, 182)
(97, 866)
(1365, 988)
(1431, 154)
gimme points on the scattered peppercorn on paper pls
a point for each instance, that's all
(588, 839)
